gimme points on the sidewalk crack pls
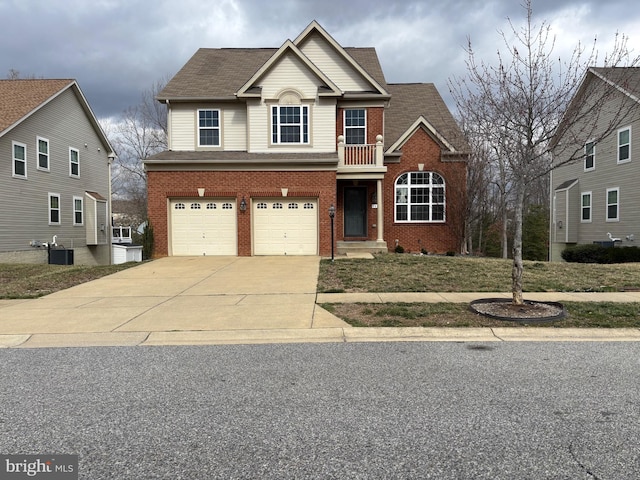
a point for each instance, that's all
(495, 335)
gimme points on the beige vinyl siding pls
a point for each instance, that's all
(290, 74)
(183, 126)
(24, 212)
(234, 130)
(327, 59)
(607, 174)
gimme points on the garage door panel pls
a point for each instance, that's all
(204, 227)
(285, 227)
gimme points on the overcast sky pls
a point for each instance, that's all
(116, 49)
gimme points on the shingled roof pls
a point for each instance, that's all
(410, 101)
(18, 98)
(218, 73)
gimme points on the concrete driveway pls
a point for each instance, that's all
(175, 294)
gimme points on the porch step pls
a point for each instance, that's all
(369, 246)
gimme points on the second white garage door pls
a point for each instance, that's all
(204, 227)
(285, 226)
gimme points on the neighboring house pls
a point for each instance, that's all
(54, 174)
(263, 142)
(596, 199)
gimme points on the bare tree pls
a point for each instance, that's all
(140, 132)
(519, 104)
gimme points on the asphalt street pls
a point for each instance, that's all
(420, 410)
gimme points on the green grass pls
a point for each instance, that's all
(414, 273)
(581, 315)
(33, 281)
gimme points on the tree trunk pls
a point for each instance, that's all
(505, 224)
(516, 271)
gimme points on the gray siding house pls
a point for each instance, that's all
(595, 197)
(54, 174)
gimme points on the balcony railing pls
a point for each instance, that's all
(360, 155)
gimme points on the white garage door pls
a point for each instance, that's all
(285, 226)
(204, 226)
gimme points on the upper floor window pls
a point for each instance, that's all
(54, 209)
(290, 124)
(74, 162)
(355, 126)
(613, 204)
(589, 156)
(209, 128)
(586, 207)
(43, 153)
(624, 145)
(19, 159)
(78, 211)
(420, 197)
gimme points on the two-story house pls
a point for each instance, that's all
(595, 198)
(271, 148)
(54, 174)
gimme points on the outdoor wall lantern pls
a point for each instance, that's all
(560, 224)
(332, 215)
(243, 204)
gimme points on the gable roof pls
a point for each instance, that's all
(416, 105)
(625, 80)
(221, 73)
(288, 47)
(21, 98)
(315, 28)
(18, 98)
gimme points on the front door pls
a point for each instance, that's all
(355, 211)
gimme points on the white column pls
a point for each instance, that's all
(380, 212)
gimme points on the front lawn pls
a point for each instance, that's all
(414, 273)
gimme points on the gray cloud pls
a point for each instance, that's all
(116, 49)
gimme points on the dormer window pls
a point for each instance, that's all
(290, 124)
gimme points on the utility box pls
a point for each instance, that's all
(61, 256)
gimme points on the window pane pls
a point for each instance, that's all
(354, 118)
(401, 212)
(209, 118)
(354, 136)
(586, 200)
(420, 212)
(419, 195)
(437, 213)
(437, 195)
(612, 211)
(19, 152)
(290, 134)
(20, 168)
(624, 152)
(209, 137)
(624, 137)
(401, 195)
(420, 178)
(612, 196)
(55, 216)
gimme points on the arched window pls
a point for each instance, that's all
(420, 197)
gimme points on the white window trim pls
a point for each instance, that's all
(430, 203)
(49, 209)
(618, 143)
(582, 207)
(301, 124)
(46, 140)
(14, 159)
(344, 123)
(71, 174)
(607, 204)
(218, 128)
(76, 211)
(593, 154)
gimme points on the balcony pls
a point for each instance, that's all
(360, 159)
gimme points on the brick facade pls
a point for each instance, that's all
(432, 237)
(162, 186)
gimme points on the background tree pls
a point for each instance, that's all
(140, 132)
(519, 103)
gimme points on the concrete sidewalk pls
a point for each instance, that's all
(219, 300)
